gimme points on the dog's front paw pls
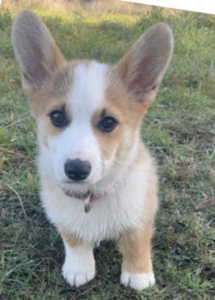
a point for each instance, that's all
(138, 281)
(78, 277)
(79, 265)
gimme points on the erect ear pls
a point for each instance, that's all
(35, 50)
(144, 66)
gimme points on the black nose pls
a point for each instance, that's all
(77, 169)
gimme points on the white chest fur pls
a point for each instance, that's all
(118, 210)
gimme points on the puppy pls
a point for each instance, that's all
(98, 180)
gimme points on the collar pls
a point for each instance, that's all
(88, 198)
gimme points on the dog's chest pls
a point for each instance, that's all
(109, 215)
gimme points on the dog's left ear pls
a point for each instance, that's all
(143, 67)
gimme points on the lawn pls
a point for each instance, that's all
(179, 129)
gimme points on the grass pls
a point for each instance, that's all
(95, 6)
(179, 129)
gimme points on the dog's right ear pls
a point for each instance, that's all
(35, 50)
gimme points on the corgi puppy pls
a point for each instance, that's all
(98, 180)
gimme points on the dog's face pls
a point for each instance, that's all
(88, 114)
(86, 124)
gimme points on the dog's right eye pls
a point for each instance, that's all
(58, 118)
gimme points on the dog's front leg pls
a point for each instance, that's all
(79, 264)
(135, 246)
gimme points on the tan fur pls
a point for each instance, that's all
(125, 111)
(54, 93)
(135, 246)
(42, 104)
(53, 96)
(70, 239)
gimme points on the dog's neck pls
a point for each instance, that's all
(87, 198)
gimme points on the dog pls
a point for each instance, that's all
(98, 179)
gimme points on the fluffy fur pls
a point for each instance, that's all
(122, 170)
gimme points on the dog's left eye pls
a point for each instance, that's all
(58, 118)
(107, 124)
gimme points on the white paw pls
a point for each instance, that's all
(78, 277)
(79, 265)
(137, 281)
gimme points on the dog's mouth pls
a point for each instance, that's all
(88, 198)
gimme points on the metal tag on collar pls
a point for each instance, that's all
(87, 204)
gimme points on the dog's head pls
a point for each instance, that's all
(88, 114)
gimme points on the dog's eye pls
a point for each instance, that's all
(58, 118)
(107, 124)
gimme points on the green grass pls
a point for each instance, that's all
(179, 129)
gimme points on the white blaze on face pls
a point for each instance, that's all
(78, 139)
